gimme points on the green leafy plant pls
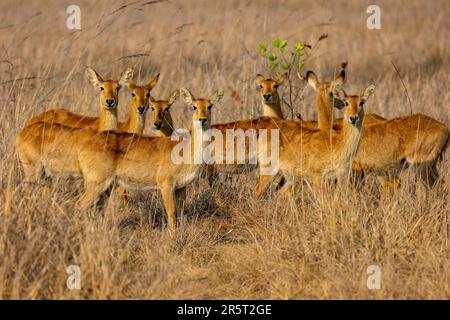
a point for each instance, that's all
(281, 57)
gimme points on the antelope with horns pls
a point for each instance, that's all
(41, 146)
(318, 154)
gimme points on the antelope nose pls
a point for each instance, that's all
(110, 102)
(267, 96)
(141, 109)
(353, 119)
(203, 121)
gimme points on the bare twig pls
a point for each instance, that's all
(404, 86)
(137, 55)
(154, 2)
(8, 62)
(122, 7)
(21, 79)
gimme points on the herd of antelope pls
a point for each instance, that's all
(105, 152)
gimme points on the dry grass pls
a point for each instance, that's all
(232, 246)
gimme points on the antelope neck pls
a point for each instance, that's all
(108, 120)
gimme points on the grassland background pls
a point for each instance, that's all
(232, 245)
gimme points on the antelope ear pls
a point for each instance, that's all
(152, 83)
(93, 76)
(368, 92)
(339, 80)
(339, 93)
(282, 78)
(312, 79)
(187, 96)
(173, 97)
(126, 76)
(259, 78)
(217, 96)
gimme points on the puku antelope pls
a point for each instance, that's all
(137, 109)
(147, 162)
(161, 120)
(318, 154)
(416, 142)
(108, 102)
(325, 103)
(387, 144)
(140, 163)
(162, 124)
(139, 105)
(40, 135)
(270, 99)
(271, 103)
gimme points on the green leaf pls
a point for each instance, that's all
(272, 56)
(299, 47)
(283, 45)
(286, 66)
(276, 42)
(262, 49)
(274, 65)
(301, 64)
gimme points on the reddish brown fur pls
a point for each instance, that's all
(387, 145)
(135, 161)
(107, 120)
(161, 119)
(315, 153)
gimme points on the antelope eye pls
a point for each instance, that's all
(102, 88)
(148, 94)
(133, 94)
(260, 86)
(346, 103)
(194, 107)
(210, 106)
(276, 86)
(153, 109)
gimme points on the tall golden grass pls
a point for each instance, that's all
(232, 246)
